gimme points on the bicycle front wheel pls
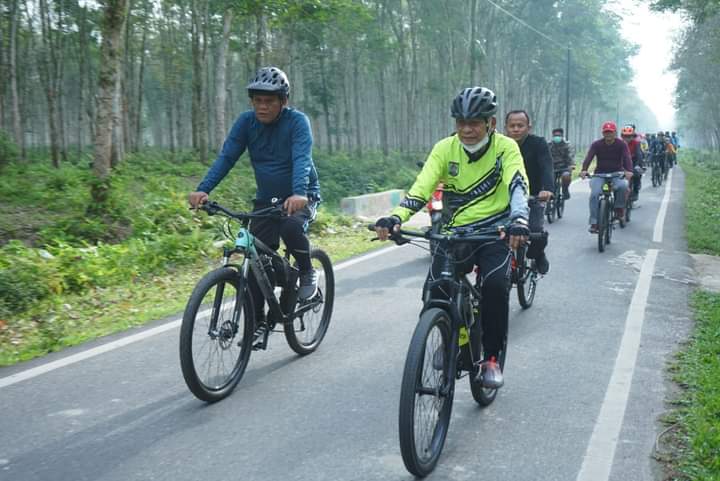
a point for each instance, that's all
(602, 223)
(426, 394)
(312, 317)
(550, 211)
(560, 206)
(526, 280)
(216, 335)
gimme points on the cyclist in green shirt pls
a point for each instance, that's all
(484, 184)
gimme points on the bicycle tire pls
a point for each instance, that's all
(482, 395)
(602, 224)
(609, 213)
(310, 339)
(550, 211)
(560, 206)
(191, 334)
(433, 325)
(526, 281)
(628, 208)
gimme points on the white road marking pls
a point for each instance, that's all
(110, 346)
(660, 220)
(598, 459)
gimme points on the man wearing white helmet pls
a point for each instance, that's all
(279, 141)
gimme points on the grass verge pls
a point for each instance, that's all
(692, 439)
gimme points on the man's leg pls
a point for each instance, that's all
(621, 189)
(596, 184)
(539, 242)
(293, 232)
(493, 261)
(566, 179)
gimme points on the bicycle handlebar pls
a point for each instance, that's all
(213, 208)
(485, 235)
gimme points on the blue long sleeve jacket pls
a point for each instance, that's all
(280, 154)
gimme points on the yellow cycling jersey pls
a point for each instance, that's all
(475, 193)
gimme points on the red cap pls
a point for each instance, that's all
(609, 127)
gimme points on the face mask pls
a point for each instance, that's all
(474, 148)
(557, 139)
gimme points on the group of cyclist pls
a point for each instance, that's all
(489, 178)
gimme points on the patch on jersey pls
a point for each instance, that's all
(454, 169)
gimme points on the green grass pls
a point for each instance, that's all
(67, 276)
(694, 425)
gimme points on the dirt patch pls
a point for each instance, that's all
(707, 269)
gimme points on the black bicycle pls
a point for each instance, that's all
(657, 173)
(219, 330)
(555, 206)
(444, 347)
(606, 212)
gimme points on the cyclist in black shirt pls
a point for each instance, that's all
(539, 168)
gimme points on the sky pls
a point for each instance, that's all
(654, 33)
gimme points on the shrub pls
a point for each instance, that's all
(8, 150)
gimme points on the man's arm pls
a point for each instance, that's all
(301, 155)
(233, 148)
(516, 180)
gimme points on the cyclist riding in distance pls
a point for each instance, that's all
(636, 154)
(563, 156)
(612, 155)
(279, 141)
(484, 185)
(539, 168)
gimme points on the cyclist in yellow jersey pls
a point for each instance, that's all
(485, 184)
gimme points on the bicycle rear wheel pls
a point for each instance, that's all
(216, 335)
(426, 395)
(312, 317)
(482, 395)
(602, 223)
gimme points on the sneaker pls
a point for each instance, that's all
(542, 264)
(593, 229)
(438, 360)
(308, 285)
(490, 374)
(566, 194)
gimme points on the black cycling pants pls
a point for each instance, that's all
(493, 261)
(292, 230)
(536, 225)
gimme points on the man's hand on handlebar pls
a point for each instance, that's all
(294, 203)
(196, 199)
(583, 173)
(385, 225)
(519, 233)
(544, 195)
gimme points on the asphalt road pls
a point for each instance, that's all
(126, 414)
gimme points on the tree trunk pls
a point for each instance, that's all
(220, 81)
(356, 102)
(47, 69)
(14, 98)
(199, 115)
(113, 22)
(260, 39)
(141, 83)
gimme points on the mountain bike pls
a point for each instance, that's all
(555, 206)
(606, 212)
(444, 348)
(219, 330)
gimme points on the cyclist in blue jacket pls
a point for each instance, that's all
(279, 141)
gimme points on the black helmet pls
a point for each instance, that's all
(474, 103)
(270, 79)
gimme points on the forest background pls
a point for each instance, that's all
(111, 112)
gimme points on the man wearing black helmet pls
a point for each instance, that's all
(484, 184)
(279, 141)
